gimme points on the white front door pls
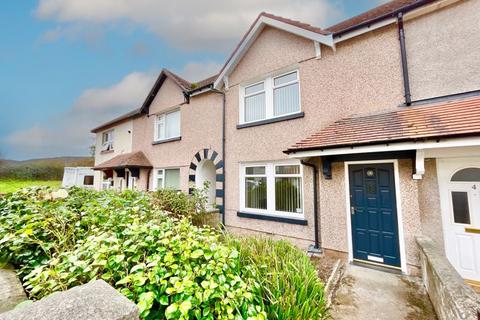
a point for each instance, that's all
(460, 196)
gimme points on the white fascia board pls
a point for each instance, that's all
(196, 93)
(255, 31)
(401, 146)
(358, 32)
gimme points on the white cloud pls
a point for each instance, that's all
(68, 133)
(195, 71)
(124, 95)
(187, 24)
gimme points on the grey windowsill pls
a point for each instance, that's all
(242, 214)
(272, 120)
(166, 140)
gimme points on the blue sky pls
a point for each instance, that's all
(68, 65)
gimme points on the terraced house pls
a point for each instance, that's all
(351, 139)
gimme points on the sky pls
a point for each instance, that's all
(66, 66)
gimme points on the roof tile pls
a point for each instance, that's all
(446, 119)
(132, 159)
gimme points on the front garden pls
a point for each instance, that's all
(146, 247)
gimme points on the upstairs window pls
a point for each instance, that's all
(271, 98)
(107, 140)
(167, 126)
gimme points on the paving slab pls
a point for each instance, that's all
(370, 294)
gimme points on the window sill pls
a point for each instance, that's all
(272, 120)
(166, 140)
(107, 151)
(302, 222)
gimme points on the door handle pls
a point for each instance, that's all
(352, 210)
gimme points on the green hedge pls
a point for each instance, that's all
(169, 267)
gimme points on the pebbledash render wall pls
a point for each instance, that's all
(122, 143)
(442, 49)
(201, 125)
(362, 76)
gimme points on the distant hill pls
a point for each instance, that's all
(41, 169)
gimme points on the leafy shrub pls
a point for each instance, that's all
(179, 204)
(169, 267)
(289, 283)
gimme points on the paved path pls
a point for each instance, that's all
(370, 294)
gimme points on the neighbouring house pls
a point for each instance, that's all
(352, 139)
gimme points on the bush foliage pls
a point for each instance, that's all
(289, 283)
(169, 267)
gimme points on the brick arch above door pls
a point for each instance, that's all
(209, 154)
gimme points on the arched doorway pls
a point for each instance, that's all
(207, 165)
(205, 176)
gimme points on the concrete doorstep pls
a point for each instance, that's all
(371, 294)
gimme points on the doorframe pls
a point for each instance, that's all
(446, 168)
(401, 238)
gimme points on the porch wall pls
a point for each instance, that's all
(429, 204)
(332, 194)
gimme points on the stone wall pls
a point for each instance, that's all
(450, 296)
(94, 301)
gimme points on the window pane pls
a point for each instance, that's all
(172, 126)
(286, 100)
(160, 183)
(255, 170)
(172, 179)
(160, 125)
(88, 180)
(284, 79)
(294, 169)
(288, 194)
(468, 174)
(253, 89)
(256, 193)
(255, 107)
(461, 212)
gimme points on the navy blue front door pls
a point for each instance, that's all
(373, 213)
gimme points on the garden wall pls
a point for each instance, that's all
(94, 301)
(450, 296)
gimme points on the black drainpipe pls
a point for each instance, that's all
(315, 205)
(223, 154)
(403, 51)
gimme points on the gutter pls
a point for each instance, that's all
(223, 154)
(317, 245)
(392, 14)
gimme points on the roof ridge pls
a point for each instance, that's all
(378, 12)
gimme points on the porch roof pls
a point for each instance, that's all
(455, 118)
(126, 160)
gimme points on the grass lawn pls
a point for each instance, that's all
(13, 185)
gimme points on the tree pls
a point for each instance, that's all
(91, 150)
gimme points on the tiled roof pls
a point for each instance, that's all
(383, 11)
(447, 119)
(132, 159)
(295, 23)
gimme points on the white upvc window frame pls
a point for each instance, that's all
(156, 175)
(268, 88)
(161, 118)
(271, 175)
(107, 144)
